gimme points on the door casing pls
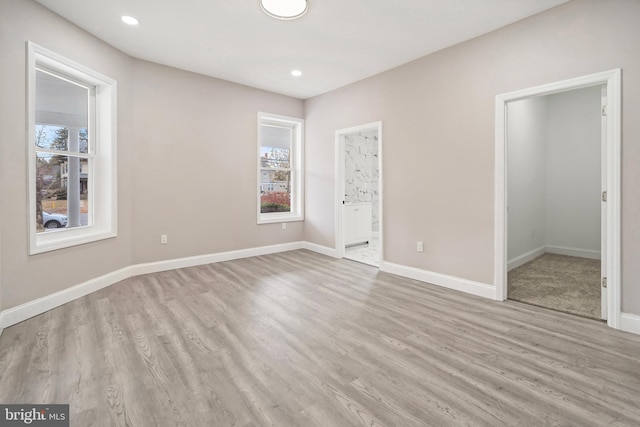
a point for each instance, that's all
(611, 164)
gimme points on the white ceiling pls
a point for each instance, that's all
(335, 43)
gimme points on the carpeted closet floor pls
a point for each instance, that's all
(558, 282)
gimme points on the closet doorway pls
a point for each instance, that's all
(359, 193)
(558, 195)
(554, 158)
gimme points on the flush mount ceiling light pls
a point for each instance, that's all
(284, 9)
(296, 73)
(129, 20)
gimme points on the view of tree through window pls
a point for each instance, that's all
(62, 153)
(71, 165)
(280, 169)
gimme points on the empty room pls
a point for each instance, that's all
(329, 213)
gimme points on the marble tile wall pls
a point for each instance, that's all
(362, 177)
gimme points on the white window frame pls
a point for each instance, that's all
(297, 168)
(103, 179)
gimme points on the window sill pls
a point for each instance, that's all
(278, 217)
(60, 239)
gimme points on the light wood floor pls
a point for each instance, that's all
(299, 339)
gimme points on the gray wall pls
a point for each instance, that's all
(574, 170)
(195, 156)
(25, 278)
(527, 179)
(186, 161)
(181, 135)
(438, 115)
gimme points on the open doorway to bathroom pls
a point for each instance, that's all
(359, 193)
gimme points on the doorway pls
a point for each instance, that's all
(359, 193)
(607, 196)
(554, 180)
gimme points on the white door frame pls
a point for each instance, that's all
(604, 297)
(612, 80)
(340, 177)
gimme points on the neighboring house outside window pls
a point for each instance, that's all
(72, 152)
(280, 168)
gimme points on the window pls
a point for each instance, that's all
(280, 175)
(71, 152)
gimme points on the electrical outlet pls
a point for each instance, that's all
(163, 239)
(533, 232)
(420, 247)
(284, 225)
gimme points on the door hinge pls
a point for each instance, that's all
(604, 282)
(604, 110)
(604, 196)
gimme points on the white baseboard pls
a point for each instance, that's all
(27, 310)
(630, 323)
(38, 306)
(525, 258)
(11, 316)
(324, 250)
(172, 264)
(451, 282)
(560, 250)
(580, 253)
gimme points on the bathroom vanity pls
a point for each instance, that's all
(357, 227)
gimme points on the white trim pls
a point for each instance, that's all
(526, 257)
(103, 127)
(339, 196)
(614, 195)
(551, 249)
(172, 264)
(612, 80)
(339, 186)
(604, 303)
(450, 282)
(297, 169)
(38, 306)
(580, 253)
(14, 315)
(1, 287)
(630, 323)
(324, 250)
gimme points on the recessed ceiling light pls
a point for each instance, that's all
(284, 9)
(130, 20)
(296, 73)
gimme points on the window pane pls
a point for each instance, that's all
(61, 114)
(51, 137)
(275, 146)
(275, 191)
(62, 191)
(57, 138)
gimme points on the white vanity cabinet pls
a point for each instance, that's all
(357, 227)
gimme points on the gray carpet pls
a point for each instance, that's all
(558, 282)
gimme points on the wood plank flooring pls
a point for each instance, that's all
(300, 339)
